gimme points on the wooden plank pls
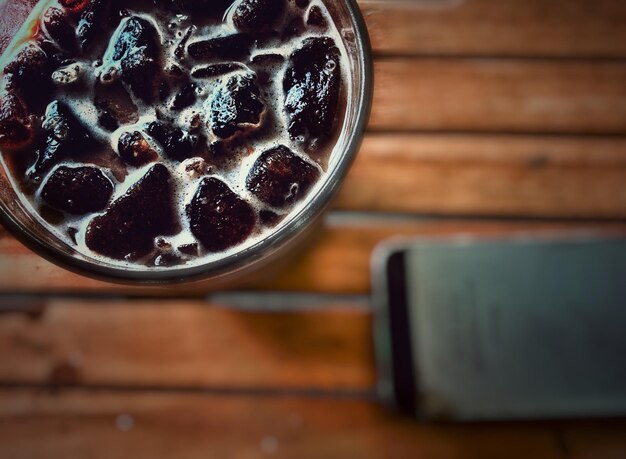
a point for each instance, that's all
(506, 27)
(336, 259)
(500, 95)
(77, 424)
(189, 344)
(489, 175)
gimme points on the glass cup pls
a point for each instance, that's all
(16, 217)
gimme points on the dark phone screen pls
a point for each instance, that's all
(509, 329)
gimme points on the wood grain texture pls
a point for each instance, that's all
(336, 260)
(500, 175)
(557, 28)
(499, 95)
(80, 425)
(185, 344)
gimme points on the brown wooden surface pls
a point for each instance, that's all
(504, 175)
(483, 109)
(130, 424)
(530, 28)
(67, 424)
(499, 95)
(114, 343)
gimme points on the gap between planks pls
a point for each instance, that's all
(31, 303)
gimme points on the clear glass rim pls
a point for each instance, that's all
(250, 255)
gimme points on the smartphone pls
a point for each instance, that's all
(508, 328)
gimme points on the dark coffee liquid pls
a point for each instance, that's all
(176, 133)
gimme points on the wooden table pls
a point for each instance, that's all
(490, 116)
